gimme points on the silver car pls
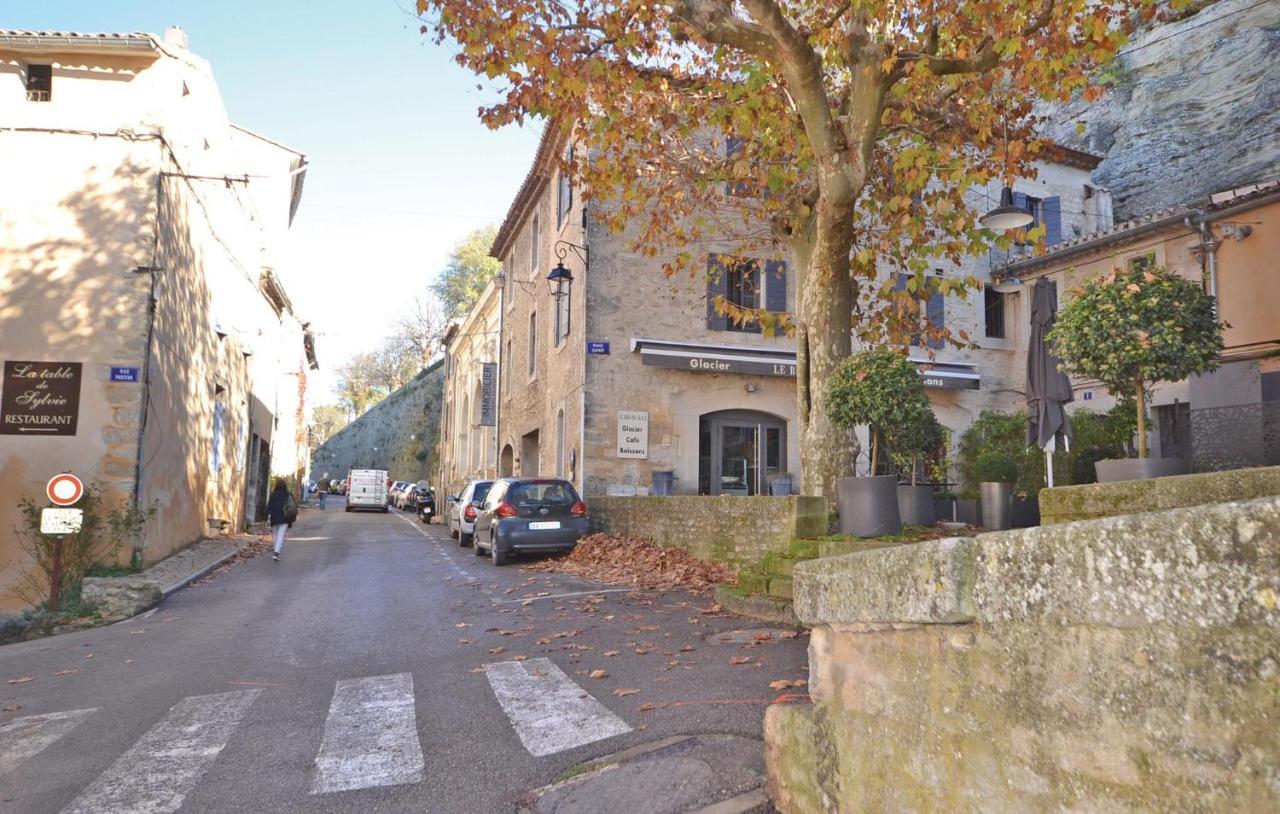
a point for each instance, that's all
(463, 509)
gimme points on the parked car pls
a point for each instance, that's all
(529, 514)
(396, 493)
(463, 509)
(424, 503)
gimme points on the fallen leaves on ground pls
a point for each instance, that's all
(11, 708)
(623, 692)
(740, 660)
(498, 650)
(611, 652)
(592, 674)
(22, 680)
(784, 684)
(66, 672)
(617, 559)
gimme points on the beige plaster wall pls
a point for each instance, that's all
(469, 451)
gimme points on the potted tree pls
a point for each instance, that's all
(996, 472)
(907, 445)
(880, 389)
(1130, 331)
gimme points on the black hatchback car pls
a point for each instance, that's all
(529, 514)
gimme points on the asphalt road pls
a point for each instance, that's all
(351, 676)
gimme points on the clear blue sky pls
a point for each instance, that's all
(401, 167)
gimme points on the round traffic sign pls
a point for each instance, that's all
(64, 489)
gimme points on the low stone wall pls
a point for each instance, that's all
(1066, 504)
(1124, 664)
(731, 530)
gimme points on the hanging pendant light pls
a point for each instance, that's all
(1007, 215)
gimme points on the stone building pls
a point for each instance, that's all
(469, 408)
(147, 338)
(631, 373)
(1229, 242)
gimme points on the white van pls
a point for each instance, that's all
(367, 489)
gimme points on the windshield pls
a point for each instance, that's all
(543, 493)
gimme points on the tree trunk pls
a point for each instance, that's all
(1141, 397)
(824, 338)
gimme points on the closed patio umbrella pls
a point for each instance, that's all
(1048, 388)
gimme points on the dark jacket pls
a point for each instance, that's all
(275, 507)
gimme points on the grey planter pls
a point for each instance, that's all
(663, 480)
(868, 506)
(997, 505)
(780, 485)
(1139, 468)
(1026, 513)
(915, 505)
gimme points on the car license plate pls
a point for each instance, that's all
(544, 524)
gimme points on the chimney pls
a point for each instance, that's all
(176, 37)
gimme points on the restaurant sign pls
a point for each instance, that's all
(40, 398)
(633, 434)
(719, 363)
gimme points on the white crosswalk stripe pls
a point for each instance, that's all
(549, 711)
(23, 737)
(370, 736)
(166, 763)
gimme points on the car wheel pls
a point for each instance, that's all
(385, 509)
(465, 540)
(347, 509)
(496, 554)
(475, 546)
(453, 532)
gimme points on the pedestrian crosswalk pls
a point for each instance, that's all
(370, 737)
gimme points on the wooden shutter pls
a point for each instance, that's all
(775, 272)
(936, 311)
(717, 286)
(1052, 221)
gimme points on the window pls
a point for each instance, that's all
(1046, 212)
(39, 83)
(742, 290)
(993, 302)
(533, 247)
(743, 284)
(1142, 262)
(533, 343)
(560, 444)
(562, 318)
(935, 315)
(564, 191)
(215, 449)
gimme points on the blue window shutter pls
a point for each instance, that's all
(899, 281)
(936, 311)
(1020, 199)
(775, 271)
(1052, 221)
(717, 286)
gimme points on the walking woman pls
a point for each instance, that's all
(282, 510)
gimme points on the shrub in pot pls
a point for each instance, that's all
(996, 473)
(1131, 331)
(881, 389)
(908, 444)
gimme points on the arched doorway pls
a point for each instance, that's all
(740, 451)
(506, 462)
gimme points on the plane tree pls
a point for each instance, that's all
(849, 135)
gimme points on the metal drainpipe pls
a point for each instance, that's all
(1209, 251)
(497, 388)
(146, 358)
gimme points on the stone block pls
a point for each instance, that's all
(119, 435)
(120, 393)
(781, 587)
(929, 582)
(835, 548)
(120, 597)
(1065, 504)
(791, 758)
(752, 582)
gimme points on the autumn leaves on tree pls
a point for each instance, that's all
(852, 135)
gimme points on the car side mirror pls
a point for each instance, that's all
(452, 498)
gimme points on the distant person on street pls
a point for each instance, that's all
(323, 488)
(282, 510)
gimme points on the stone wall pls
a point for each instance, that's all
(732, 530)
(1123, 664)
(397, 434)
(1065, 504)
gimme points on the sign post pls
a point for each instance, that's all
(63, 490)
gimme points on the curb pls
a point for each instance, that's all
(758, 607)
(174, 587)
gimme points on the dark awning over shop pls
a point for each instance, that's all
(704, 358)
(767, 361)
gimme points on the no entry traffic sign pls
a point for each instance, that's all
(64, 489)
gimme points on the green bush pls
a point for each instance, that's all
(996, 466)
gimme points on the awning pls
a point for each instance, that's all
(762, 360)
(707, 358)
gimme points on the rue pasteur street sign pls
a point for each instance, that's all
(40, 398)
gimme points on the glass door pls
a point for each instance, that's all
(739, 460)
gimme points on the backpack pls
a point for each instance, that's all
(290, 510)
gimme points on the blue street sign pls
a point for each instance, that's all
(1088, 395)
(124, 374)
(598, 347)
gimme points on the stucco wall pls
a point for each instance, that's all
(468, 451)
(732, 530)
(1118, 664)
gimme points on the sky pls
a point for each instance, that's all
(401, 167)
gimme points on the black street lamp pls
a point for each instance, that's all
(1007, 215)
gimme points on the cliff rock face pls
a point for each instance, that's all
(397, 434)
(1191, 107)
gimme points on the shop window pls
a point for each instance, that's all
(993, 302)
(39, 83)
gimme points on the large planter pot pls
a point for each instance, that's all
(915, 506)
(1139, 468)
(997, 505)
(868, 506)
(1026, 513)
